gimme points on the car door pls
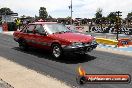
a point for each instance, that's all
(29, 35)
(41, 37)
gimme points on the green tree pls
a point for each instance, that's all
(43, 13)
(0, 20)
(50, 17)
(129, 18)
(23, 16)
(36, 17)
(5, 11)
(98, 16)
(68, 17)
(98, 13)
(112, 17)
(103, 20)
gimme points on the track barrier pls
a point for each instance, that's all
(124, 42)
(106, 41)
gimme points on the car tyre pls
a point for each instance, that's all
(23, 45)
(56, 51)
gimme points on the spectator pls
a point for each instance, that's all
(18, 23)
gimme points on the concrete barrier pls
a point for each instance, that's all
(111, 30)
(97, 29)
(106, 41)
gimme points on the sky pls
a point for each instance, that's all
(59, 8)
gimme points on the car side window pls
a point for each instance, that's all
(30, 28)
(39, 29)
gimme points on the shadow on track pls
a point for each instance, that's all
(67, 58)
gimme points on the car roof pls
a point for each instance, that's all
(44, 23)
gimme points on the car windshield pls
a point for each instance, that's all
(56, 28)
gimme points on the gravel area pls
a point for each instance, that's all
(3, 84)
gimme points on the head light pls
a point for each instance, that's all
(76, 43)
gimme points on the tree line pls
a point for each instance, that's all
(98, 19)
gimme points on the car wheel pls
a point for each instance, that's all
(23, 45)
(56, 51)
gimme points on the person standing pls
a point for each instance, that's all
(18, 23)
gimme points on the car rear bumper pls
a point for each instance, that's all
(82, 50)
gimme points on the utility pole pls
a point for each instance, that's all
(70, 7)
(118, 23)
(71, 12)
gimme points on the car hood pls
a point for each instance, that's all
(74, 37)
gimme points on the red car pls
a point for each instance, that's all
(54, 37)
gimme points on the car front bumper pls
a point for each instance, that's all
(81, 49)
